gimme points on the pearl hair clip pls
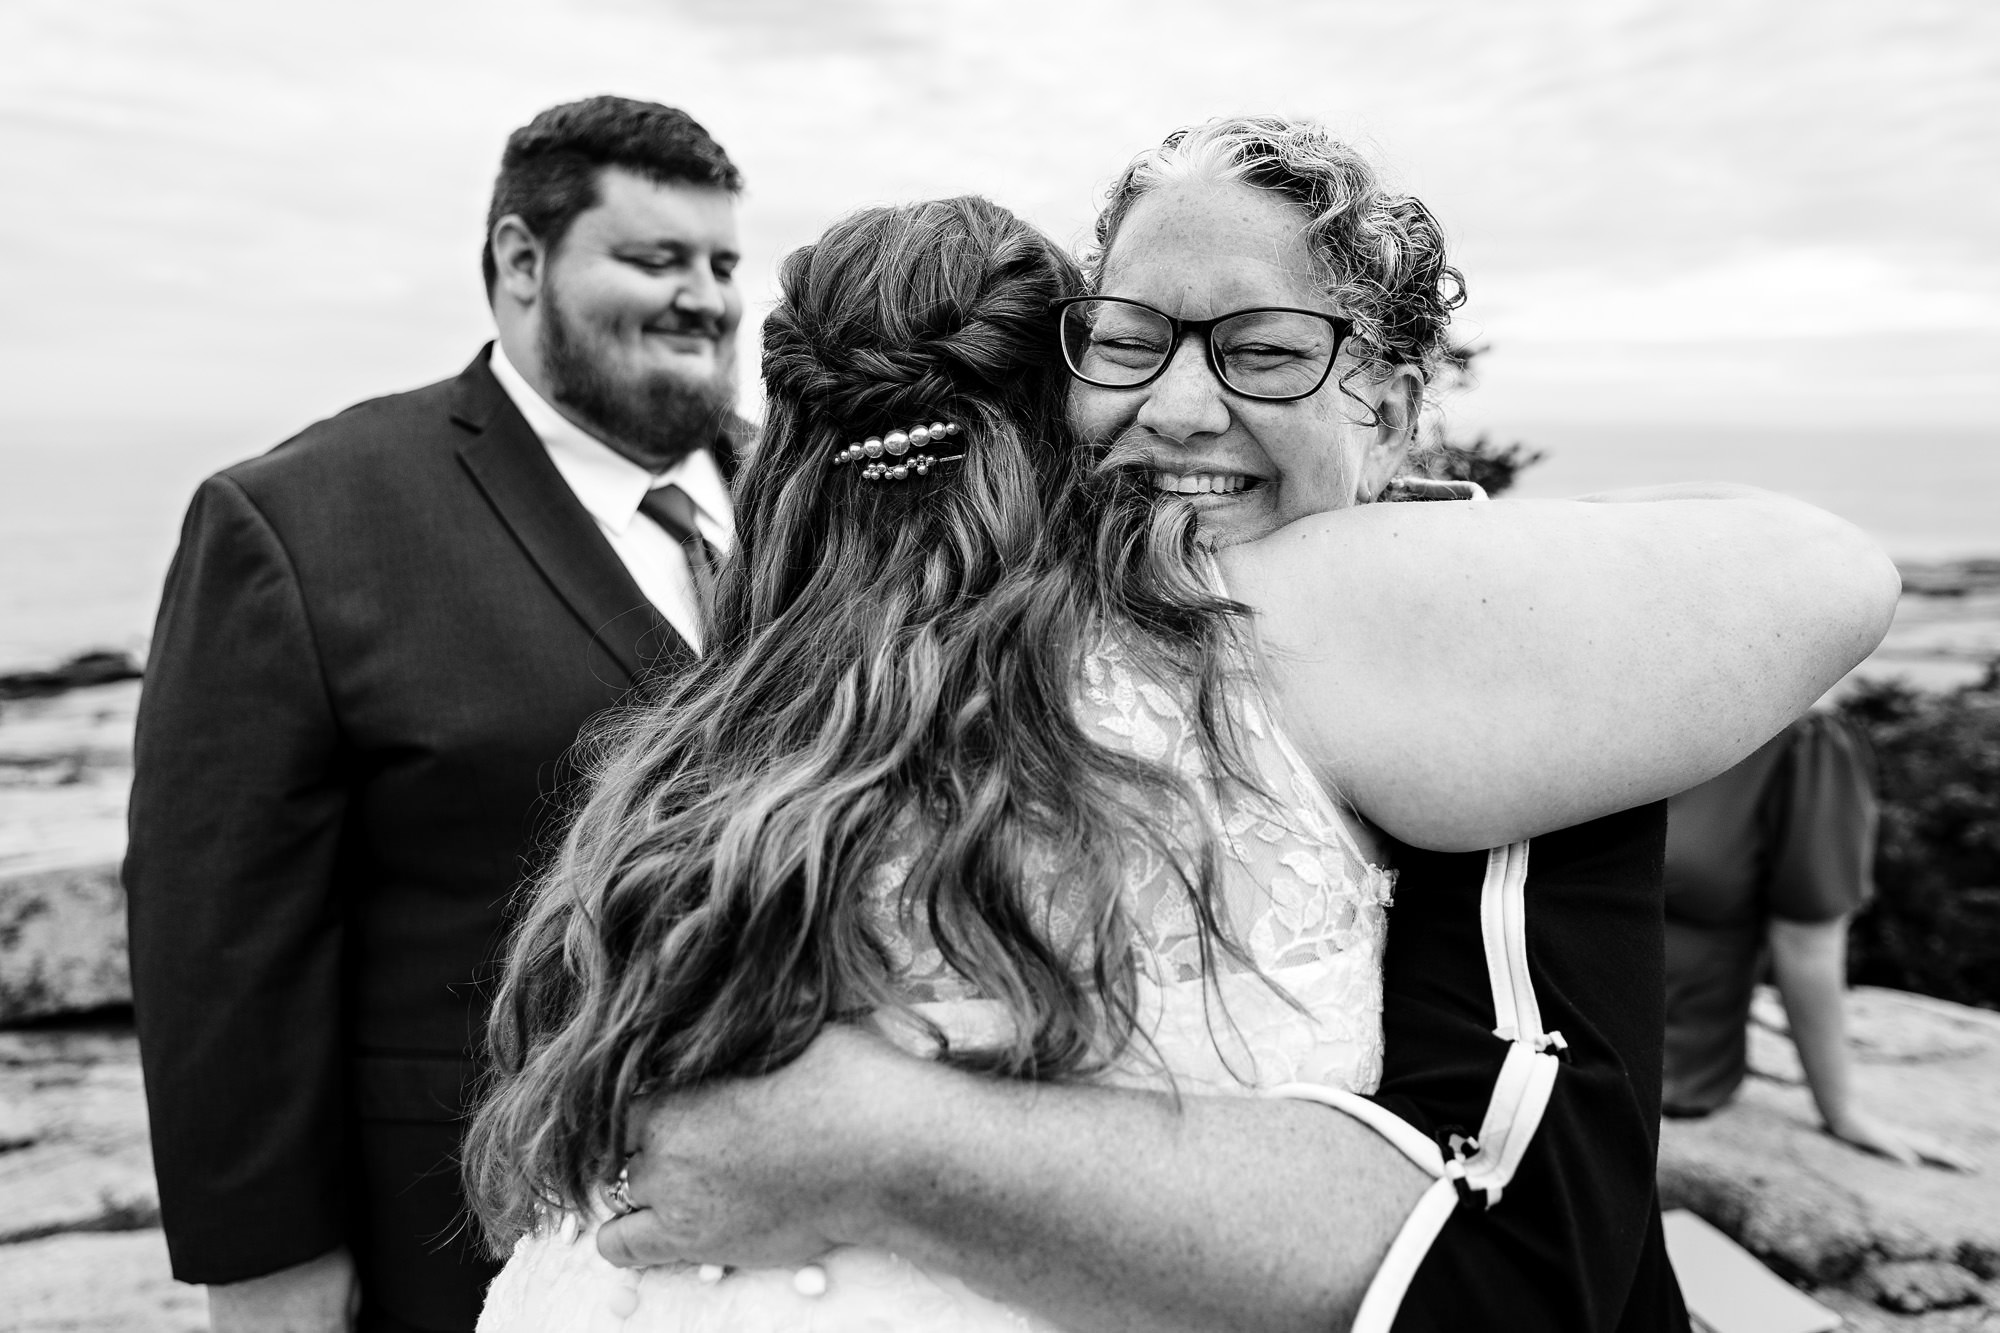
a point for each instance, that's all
(882, 455)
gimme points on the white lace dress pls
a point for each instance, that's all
(1297, 891)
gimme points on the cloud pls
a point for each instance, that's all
(1807, 292)
(230, 207)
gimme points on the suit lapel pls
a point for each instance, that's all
(513, 471)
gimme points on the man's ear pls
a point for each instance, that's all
(518, 260)
(1399, 401)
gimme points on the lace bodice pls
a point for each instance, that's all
(1298, 894)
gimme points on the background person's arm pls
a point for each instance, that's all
(1809, 964)
(1097, 1208)
(236, 813)
(1468, 675)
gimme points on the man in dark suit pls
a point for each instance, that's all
(377, 645)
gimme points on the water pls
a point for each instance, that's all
(1925, 495)
(1777, 218)
(87, 526)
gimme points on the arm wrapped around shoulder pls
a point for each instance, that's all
(1470, 675)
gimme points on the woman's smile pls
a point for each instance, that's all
(1204, 483)
(1198, 252)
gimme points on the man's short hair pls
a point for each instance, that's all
(549, 171)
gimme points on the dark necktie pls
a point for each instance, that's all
(670, 507)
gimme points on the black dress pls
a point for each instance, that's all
(1560, 1226)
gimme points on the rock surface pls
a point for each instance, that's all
(1867, 1237)
(1891, 1247)
(80, 1249)
(65, 773)
(1947, 625)
(62, 942)
(1864, 1316)
(86, 1164)
(96, 1284)
(1912, 1286)
(102, 666)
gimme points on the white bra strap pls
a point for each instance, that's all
(1384, 1297)
(1406, 1138)
(1420, 1229)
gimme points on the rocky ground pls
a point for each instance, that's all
(1947, 625)
(65, 770)
(1893, 1249)
(1889, 1247)
(80, 1246)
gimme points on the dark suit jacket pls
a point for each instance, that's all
(376, 646)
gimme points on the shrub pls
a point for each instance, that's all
(1935, 924)
(1479, 459)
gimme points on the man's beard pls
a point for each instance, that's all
(660, 419)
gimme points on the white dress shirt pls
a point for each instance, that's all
(610, 486)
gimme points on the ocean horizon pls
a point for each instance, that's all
(1686, 214)
(90, 517)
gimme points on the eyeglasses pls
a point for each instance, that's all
(1271, 353)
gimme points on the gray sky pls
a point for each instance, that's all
(1726, 212)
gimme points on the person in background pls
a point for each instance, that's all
(376, 646)
(1767, 864)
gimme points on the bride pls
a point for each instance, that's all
(982, 785)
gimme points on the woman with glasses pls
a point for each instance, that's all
(1265, 319)
(994, 922)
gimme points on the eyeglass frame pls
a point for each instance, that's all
(1343, 329)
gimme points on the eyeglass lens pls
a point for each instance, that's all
(1259, 353)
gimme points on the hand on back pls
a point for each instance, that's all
(765, 1172)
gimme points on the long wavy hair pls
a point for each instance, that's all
(890, 671)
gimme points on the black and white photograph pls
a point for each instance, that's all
(958, 666)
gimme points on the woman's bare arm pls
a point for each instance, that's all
(1809, 963)
(1471, 674)
(1096, 1208)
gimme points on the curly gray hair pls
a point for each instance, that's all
(1381, 254)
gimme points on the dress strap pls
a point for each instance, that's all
(1478, 1170)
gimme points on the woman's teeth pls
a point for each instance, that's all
(1202, 483)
